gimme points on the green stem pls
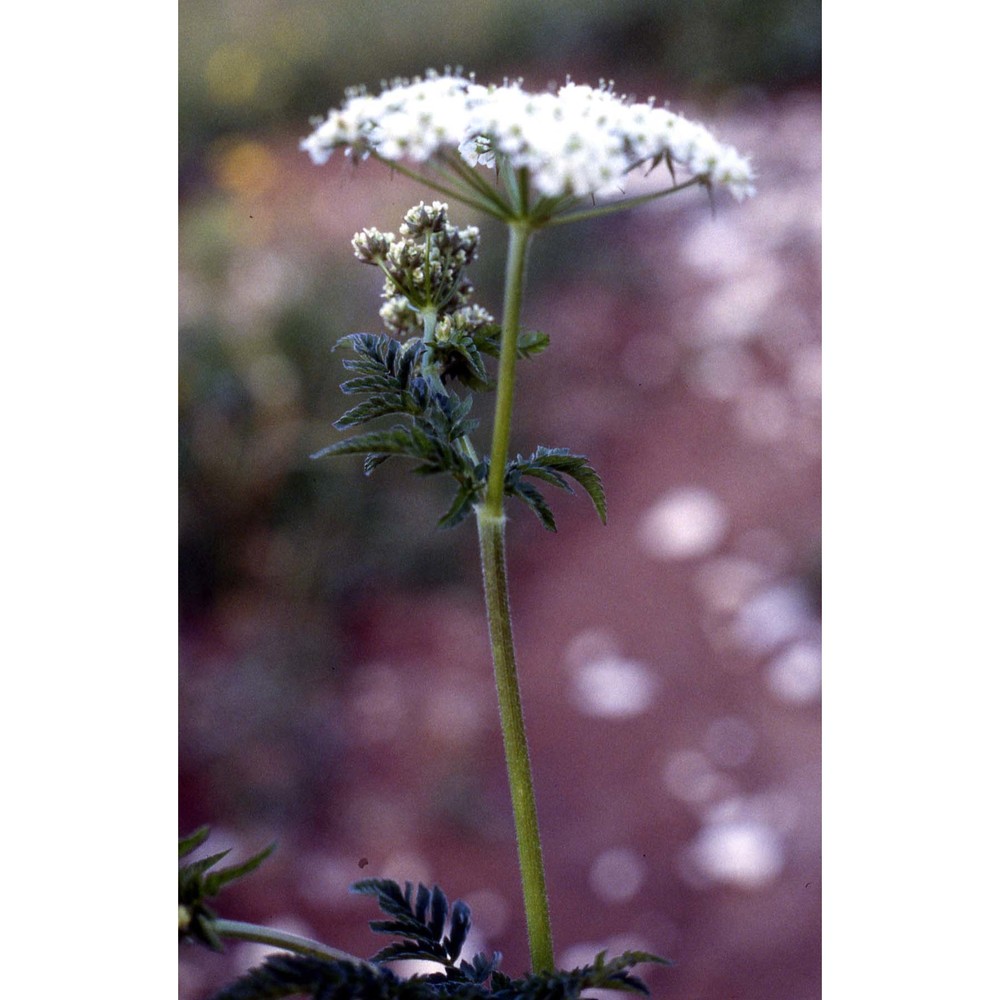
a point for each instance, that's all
(491, 520)
(239, 931)
(517, 257)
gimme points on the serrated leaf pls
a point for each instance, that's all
(398, 927)
(369, 383)
(405, 950)
(546, 475)
(376, 406)
(575, 466)
(397, 440)
(386, 891)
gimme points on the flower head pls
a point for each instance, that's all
(575, 142)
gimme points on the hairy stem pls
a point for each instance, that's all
(239, 931)
(515, 742)
(491, 522)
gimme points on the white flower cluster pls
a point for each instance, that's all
(579, 141)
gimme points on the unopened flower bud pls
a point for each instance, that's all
(371, 246)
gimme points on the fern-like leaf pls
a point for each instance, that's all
(552, 466)
(397, 440)
(421, 922)
(378, 405)
(385, 360)
(547, 461)
(297, 975)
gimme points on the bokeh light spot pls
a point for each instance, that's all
(612, 688)
(795, 675)
(687, 522)
(741, 852)
(772, 617)
(617, 874)
(246, 168)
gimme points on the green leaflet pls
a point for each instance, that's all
(529, 343)
(552, 466)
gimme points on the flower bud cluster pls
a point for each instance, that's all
(466, 321)
(578, 141)
(424, 267)
(372, 246)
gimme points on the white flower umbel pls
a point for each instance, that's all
(578, 142)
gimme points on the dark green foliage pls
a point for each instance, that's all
(398, 381)
(385, 367)
(552, 465)
(294, 975)
(297, 975)
(408, 380)
(528, 342)
(458, 357)
(421, 920)
(196, 883)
